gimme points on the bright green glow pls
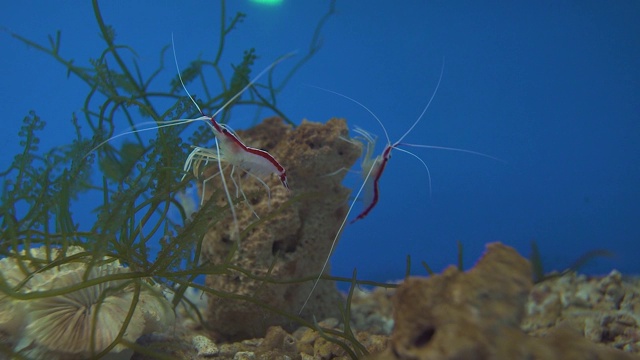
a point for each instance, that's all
(268, 2)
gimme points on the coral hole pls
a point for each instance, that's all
(285, 246)
(424, 337)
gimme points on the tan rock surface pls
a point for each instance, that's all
(477, 315)
(295, 241)
(480, 314)
(604, 309)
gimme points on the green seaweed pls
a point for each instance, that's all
(460, 255)
(537, 267)
(344, 338)
(135, 183)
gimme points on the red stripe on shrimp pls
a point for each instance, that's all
(249, 158)
(376, 168)
(386, 155)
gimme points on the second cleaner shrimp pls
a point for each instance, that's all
(373, 168)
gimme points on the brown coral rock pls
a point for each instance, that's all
(605, 309)
(476, 315)
(294, 240)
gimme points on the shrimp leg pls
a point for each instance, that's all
(230, 149)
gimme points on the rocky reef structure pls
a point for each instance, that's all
(492, 312)
(477, 315)
(604, 309)
(295, 237)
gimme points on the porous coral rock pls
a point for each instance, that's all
(477, 315)
(371, 310)
(244, 355)
(292, 244)
(205, 346)
(278, 339)
(604, 309)
(314, 345)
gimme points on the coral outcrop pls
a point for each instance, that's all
(293, 241)
(605, 309)
(477, 315)
(490, 312)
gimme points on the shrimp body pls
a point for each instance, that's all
(373, 168)
(232, 151)
(257, 162)
(371, 184)
(229, 148)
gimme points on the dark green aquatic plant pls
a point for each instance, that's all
(133, 186)
(427, 268)
(537, 267)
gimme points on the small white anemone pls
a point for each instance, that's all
(81, 323)
(13, 271)
(12, 312)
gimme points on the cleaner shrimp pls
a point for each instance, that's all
(373, 167)
(230, 149)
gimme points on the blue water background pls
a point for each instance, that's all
(553, 88)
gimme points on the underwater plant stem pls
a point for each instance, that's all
(314, 46)
(125, 323)
(223, 33)
(347, 317)
(131, 276)
(76, 70)
(113, 50)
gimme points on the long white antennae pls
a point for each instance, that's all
(450, 149)
(335, 239)
(423, 164)
(239, 93)
(255, 79)
(164, 124)
(175, 59)
(425, 108)
(361, 105)
(440, 148)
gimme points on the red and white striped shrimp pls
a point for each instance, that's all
(373, 168)
(231, 150)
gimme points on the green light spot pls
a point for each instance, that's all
(268, 2)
